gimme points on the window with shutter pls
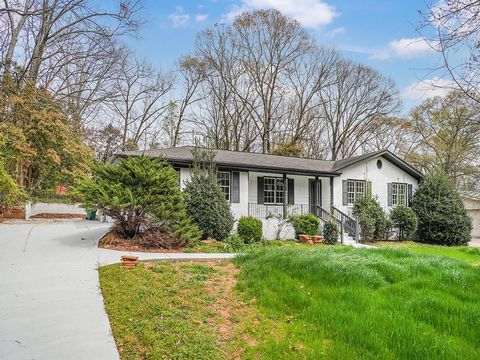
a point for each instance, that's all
(223, 178)
(398, 194)
(291, 191)
(353, 190)
(273, 190)
(235, 192)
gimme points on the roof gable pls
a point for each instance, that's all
(386, 154)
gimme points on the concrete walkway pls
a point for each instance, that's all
(50, 302)
(475, 242)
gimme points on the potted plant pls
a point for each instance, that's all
(304, 238)
(305, 226)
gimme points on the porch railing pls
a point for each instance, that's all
(346, 224)
(350, 225)
(265, 211)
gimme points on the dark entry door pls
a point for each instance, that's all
(314, 195)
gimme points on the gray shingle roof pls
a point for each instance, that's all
(246, 160)
(255, 161)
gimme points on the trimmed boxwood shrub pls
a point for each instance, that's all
(442, 217)
(307, 224)
(330, 233)
(404, 221)
(250, 229)
(371, 217)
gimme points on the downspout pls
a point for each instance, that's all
(285, 186)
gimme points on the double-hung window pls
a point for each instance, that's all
(399, 194)
(223, 178)
(273, 190)
(355, 189)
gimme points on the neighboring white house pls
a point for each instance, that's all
(270, 187)
(471, 200)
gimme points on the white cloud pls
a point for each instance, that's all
(425, 89)
(406, 48)
(310, 13)
(334, 32)
(201, 17)
(179, 19)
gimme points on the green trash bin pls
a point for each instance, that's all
(91, 214)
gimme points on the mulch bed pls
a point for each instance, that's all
(57, 216)
(112, 241)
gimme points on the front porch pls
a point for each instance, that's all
(274, 197)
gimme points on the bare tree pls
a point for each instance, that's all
(50, 25)
(105, 141)
(84, 83)
(140, 100)
(310, 74)
(351, 105)
(253, 58)
(14, 17)
(192, 73)
(391, 133)
(456, 24)
(224, 116)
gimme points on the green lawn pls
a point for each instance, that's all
(290, 302)
(465, 253)
(213, 246)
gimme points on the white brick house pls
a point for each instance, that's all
(255, 183)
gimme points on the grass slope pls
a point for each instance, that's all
(297, 303)
(465, 253)
(178, 310)
(160, 312)
(342, 303)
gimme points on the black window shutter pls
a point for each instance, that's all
(291, 192)
(410, 194)
(259, 190)
(235, 198)
(389, 192)
(344, 190)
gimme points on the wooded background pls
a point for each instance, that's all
(72, 91)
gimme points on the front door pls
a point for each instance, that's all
(314, 195)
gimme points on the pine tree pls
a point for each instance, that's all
(139, 193)
(205, 200)
(442, 217)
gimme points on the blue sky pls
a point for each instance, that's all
(379, 33)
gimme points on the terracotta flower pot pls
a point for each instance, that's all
(317, 239)
(304, 238)
(129, 261)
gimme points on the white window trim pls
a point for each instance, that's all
(274, 190)
(229, 194)
(396, 192)
(355, 193)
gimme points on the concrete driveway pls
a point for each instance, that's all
(50, 301)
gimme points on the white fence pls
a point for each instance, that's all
(52, 208)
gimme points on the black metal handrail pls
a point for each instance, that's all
(325, 215)
(350, 225)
